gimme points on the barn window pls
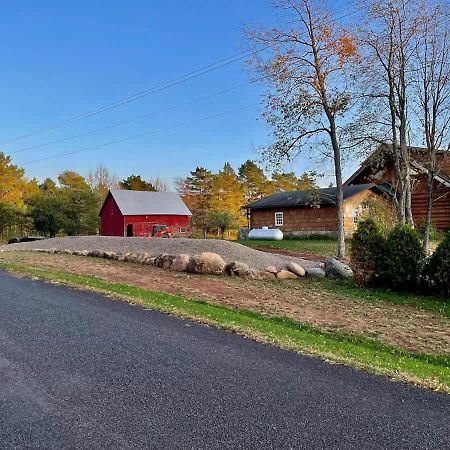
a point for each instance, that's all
(278, 219)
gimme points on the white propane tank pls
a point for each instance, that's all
(273, 234)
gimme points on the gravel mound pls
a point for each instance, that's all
(229, 251)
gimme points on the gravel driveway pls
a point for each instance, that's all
(230, 251)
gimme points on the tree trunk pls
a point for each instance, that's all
(339, 190)
(427, 227)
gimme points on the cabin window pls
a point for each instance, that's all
(278, 219)
(359, 213)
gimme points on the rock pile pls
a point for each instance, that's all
(213, 264)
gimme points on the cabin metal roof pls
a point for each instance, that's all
(310, 197)
(138, 203)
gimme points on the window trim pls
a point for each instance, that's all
(282, 219)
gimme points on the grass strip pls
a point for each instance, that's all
(427, 370)
(349, 290)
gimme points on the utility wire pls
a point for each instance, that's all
(93, 147)
(174, 82)
(134, 119)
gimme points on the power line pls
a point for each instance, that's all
(58, 155)
(174, 82)
(144, 116)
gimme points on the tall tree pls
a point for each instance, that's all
(101, 180)
(253, 180)
(389, 37)
(196, 191)
(227, 193)
(136, 183)
(433, 95)
(307, 69)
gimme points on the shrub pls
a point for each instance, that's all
(367, 248)
(437, 269)
(402, 259)
(382, 211)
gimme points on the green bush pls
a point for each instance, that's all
(437, 270)
(402, 260)
(368, 245)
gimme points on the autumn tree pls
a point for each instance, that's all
(136, 183)
(196, 191)
(101, 180)
(306, 65)
(432, 82)
(253, 180)
(15, 189)
(227, 193)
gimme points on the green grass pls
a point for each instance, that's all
(322, 247)
(427, 370)
(348, 289)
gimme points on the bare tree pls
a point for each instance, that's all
(101, 180)
(306, 65)
(159, 184)
(433, 95)
(389, 39)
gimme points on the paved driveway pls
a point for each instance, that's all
(78, 370)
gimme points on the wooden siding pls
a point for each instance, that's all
(441, 205)
(143, 225)
(440, 214)
(308, 219)
(111, 219)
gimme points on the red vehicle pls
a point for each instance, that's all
(162, 231)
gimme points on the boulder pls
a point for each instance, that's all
(131, 258)
(285, 275)
(337, 269)
(206, 262)
(164, 261)
(109, 255)
(264, 275)
(66, 252)
(295, 268)
(80, 253)
(123, 256)
(96, 253)
(315, 272)
(181, 263)
(240, 269)
(271, 269)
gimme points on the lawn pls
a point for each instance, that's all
(316, 246)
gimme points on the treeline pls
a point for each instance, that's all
(216, 199)
(68, 205)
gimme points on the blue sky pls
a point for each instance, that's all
(61, 59)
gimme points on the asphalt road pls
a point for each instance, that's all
(78, 370)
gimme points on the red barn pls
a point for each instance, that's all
(139, 213)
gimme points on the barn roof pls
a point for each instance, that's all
(310, 197)
(138, 203)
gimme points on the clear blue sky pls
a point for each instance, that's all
(60, 59)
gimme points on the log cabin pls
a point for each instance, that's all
(313, 211)
(378, 169)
